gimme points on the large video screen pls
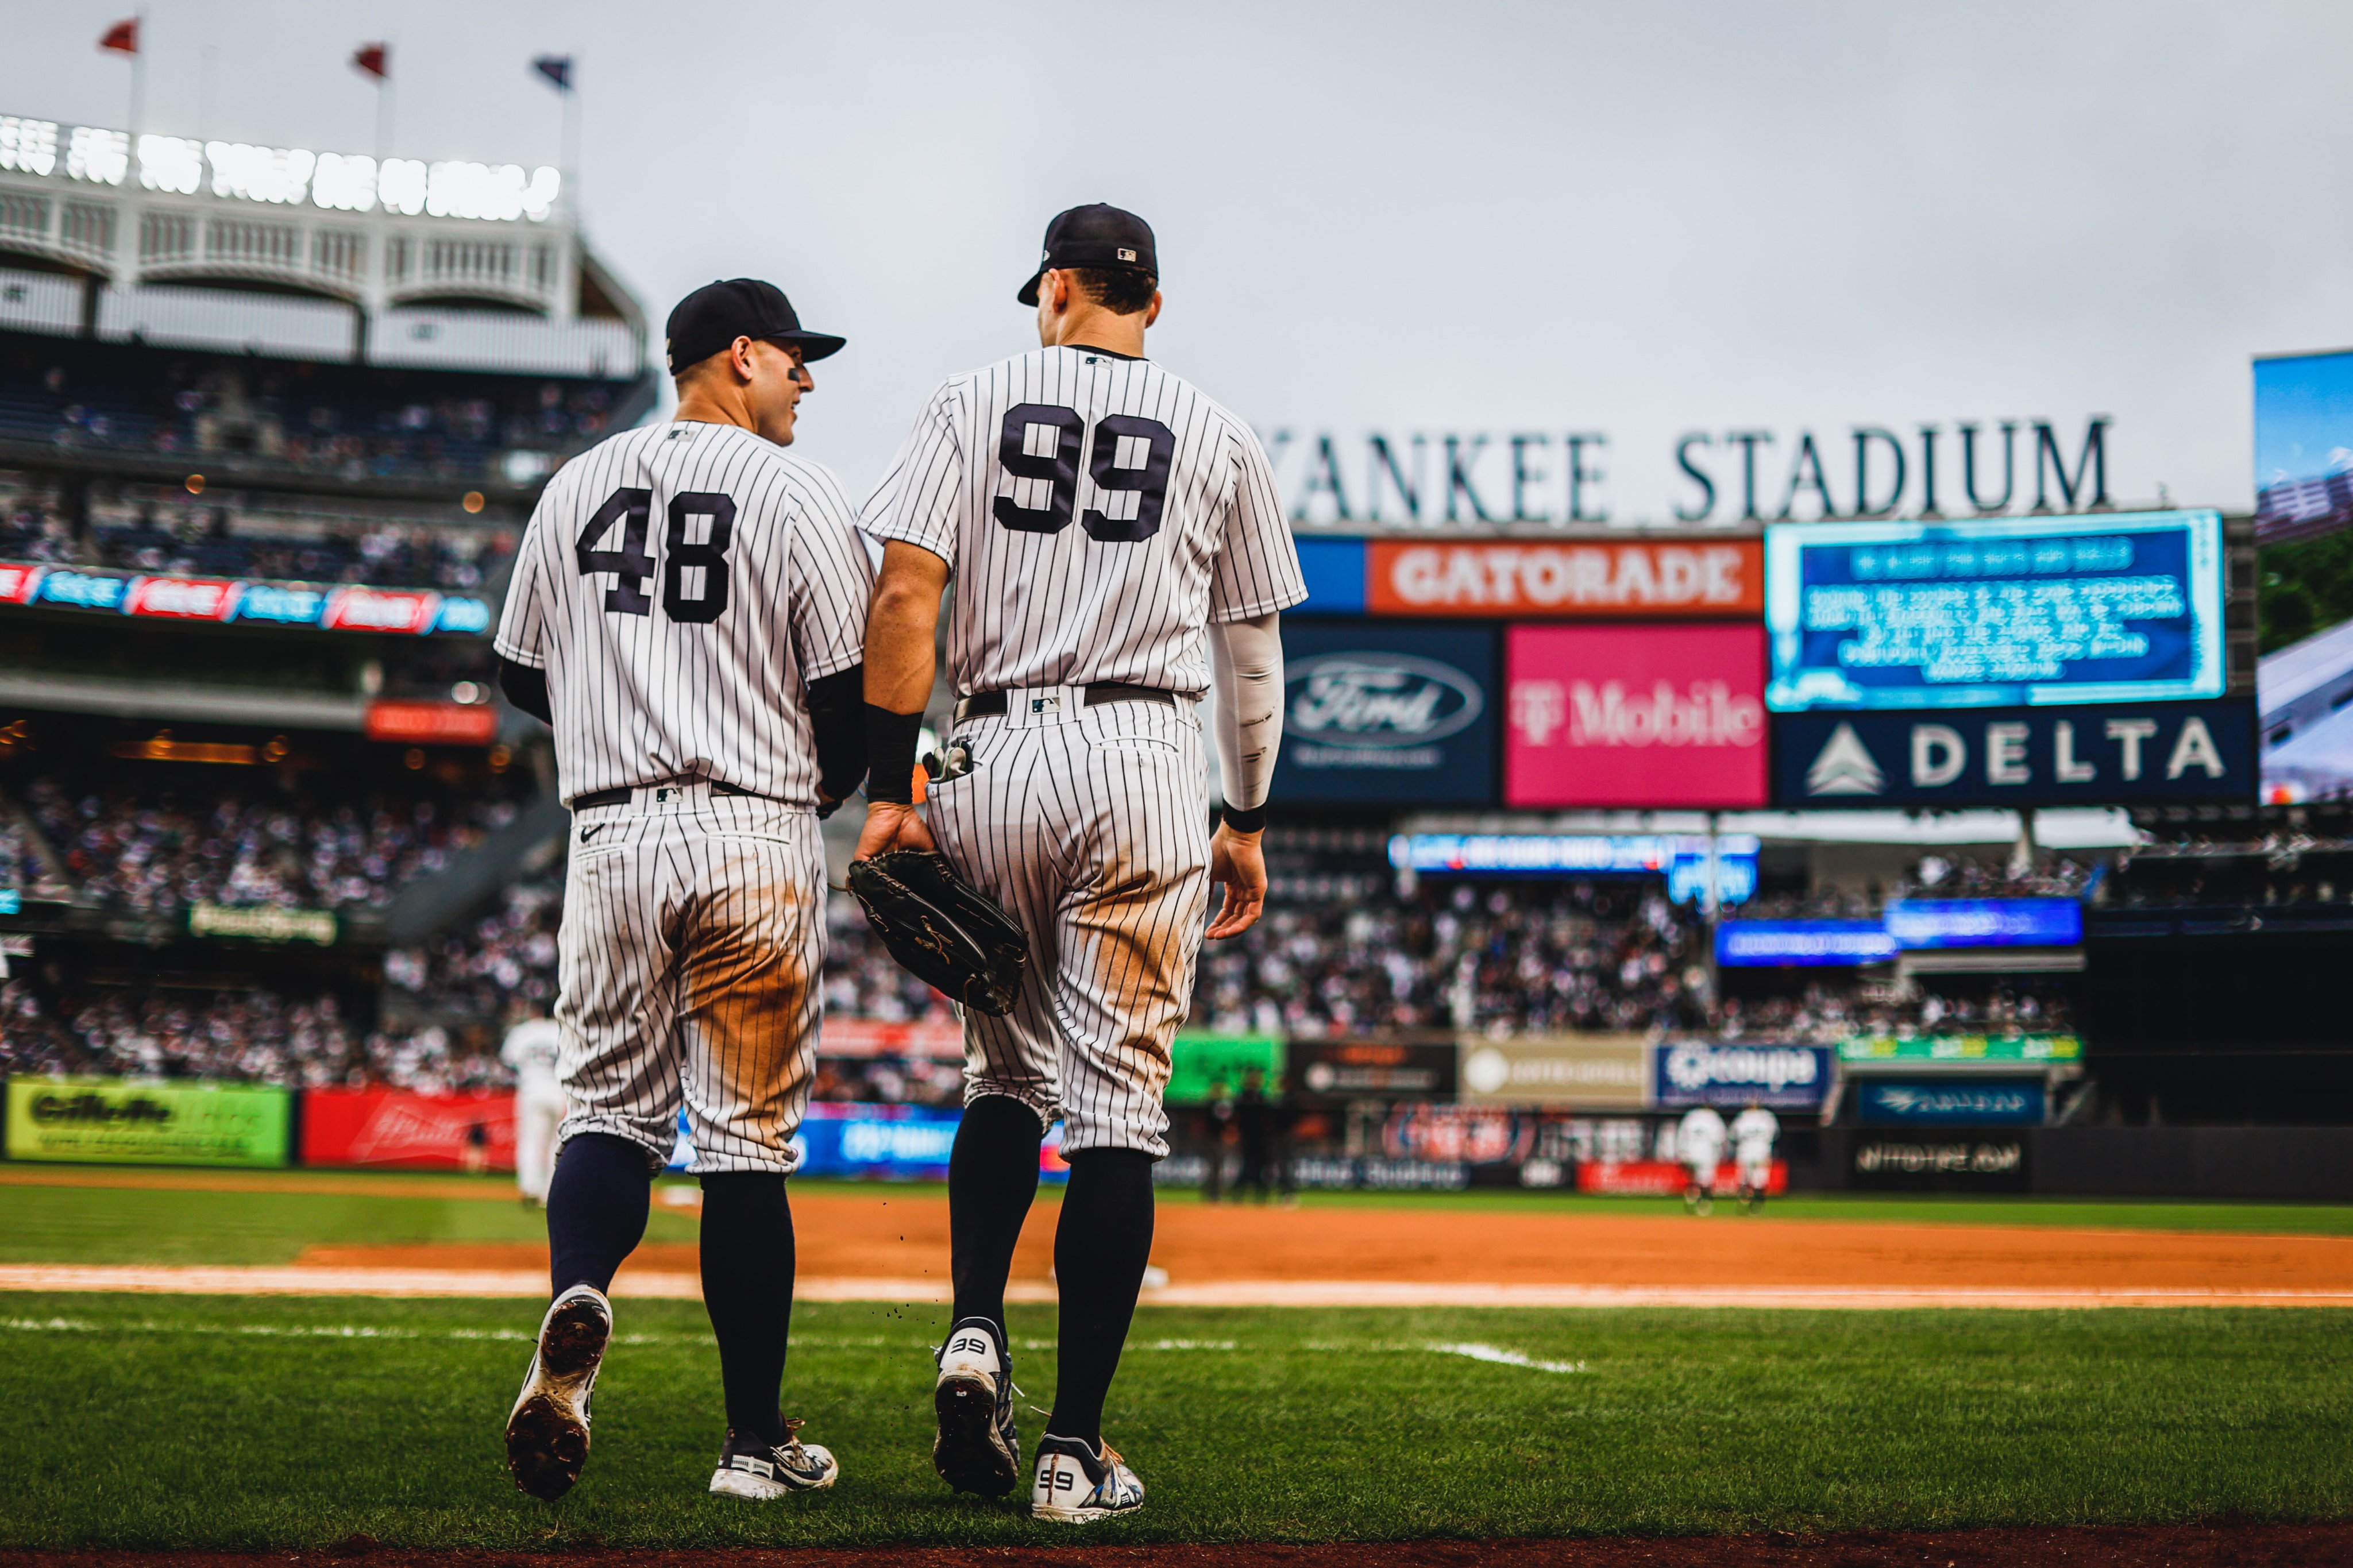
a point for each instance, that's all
(1995, 612)
(2304, 531)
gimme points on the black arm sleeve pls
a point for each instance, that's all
(837, 705)
(526, 688)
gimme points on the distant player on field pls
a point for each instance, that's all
(1117, 545)
(686, 611)
(531, 1051)
(1753, 1132)
(1699, 1143)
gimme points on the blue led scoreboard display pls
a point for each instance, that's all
(1995, 612)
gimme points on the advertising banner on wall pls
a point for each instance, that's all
(1985, 923)
(1397, 715)
(125, 1121)
(1571, 1072)
(1947, 1163)
(1199, 1063)
(1708, 1072)
(1327, 1072)
(1901, 1102)
(1793, 945)
(2304, 507)
(1634, 716)
(1995, 612)
(1534, 578)
(353, 607)
(1913, 1050)
(396, 1129)
(2146, 754)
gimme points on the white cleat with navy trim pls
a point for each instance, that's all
(547, 1431)
(1077, 1485)
(755, 1467)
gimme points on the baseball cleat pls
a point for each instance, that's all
(978, 1449)
(547, 1433)
(751, 1467)
(1076, 1485)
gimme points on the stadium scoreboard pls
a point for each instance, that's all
(1995, 613)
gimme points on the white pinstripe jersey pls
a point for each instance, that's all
(680, 584)
(1100, 513)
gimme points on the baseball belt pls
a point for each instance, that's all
(988, 704)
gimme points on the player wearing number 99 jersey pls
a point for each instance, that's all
(686, 611)
(1117, 549)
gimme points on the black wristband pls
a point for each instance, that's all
(891, 740)
(1251, 821)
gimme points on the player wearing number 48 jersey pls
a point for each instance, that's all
(685, 611)
(1117, 547)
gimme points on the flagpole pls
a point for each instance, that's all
(571, 139)
(385, 106)
(139, 76)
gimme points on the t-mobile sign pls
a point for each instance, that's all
(1635, 716)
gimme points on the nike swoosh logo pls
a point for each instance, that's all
(591, 831)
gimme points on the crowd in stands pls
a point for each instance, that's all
(154, 851)
(351, 422)
(1833, 1010)
(212, 542)
(1533, 959)
(252, 1033)
(2286, 866)
(1930, 877)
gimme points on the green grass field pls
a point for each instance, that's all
(160, 1421)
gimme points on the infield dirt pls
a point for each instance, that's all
(905, 1237)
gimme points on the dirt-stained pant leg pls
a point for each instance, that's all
(616, 995)
(1006, 827)
(1131, 924)
(752, 949)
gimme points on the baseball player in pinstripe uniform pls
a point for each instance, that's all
(1116, 544)
(686, 611)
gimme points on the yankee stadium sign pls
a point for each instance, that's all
(1581, 479)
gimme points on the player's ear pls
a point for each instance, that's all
(1152, 312)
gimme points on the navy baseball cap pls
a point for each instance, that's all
(1098, 236)
(716, 314)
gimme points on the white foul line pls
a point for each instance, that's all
(275, 1280)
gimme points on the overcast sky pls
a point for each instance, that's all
(1635, 219)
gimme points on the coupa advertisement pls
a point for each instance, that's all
(1777, 1077)
(124, 1122)
(1635, 716)
(2303, 537)
(1378, 714)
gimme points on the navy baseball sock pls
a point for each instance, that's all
(992, 1181)
(596, 1205)
(1099, 1251)
(748, 1288)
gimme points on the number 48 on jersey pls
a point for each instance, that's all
(697, 599)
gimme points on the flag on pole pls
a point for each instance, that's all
(556, 68)
(375, 60)
(122, 38)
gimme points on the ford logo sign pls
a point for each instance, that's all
(1375, 699)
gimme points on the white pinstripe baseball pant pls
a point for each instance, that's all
(689, 961)
(1089, 824)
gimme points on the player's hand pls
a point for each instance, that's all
(1237, 863)
(891, 825)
